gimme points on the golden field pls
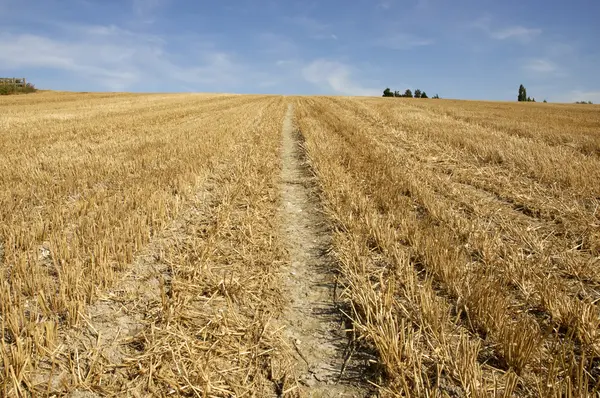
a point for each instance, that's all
(142, 253)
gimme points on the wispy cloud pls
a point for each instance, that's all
(285, 62)
(146, 10)
(515, 32)
(117, 59)
(403, 41)
(385, 4)
(336, 76)
(542, 66)
(314, 28)
(417, 4)
(310, 24)
(108, 65)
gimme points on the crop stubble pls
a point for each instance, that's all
(150, 214)
(470, 252)
(141, 245)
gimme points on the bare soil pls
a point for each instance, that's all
(314, 324)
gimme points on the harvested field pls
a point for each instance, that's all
(140, 248)
(229, 246)
(469, 253)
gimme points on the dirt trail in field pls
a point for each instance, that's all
(314, 325)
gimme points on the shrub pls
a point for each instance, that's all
(10, 89)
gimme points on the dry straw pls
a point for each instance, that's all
(468, 249)
(140, 247)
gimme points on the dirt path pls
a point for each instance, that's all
(314, 325)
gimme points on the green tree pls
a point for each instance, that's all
(387, 92)
(417, 93)
(522, 94)
(424, 95)
(10, 89)
(397, 94)
(545, 102)
(408, 93)
(436, 97)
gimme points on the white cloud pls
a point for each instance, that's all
(517, 32)
(403, 41)
(309, 24)
(385, 4)
(118, 59)
(314, 28)
(336, 76)
(285, 62)
(106, 64)
(145, 10)
(541, 66)
(418, 4)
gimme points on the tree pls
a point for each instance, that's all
(407, 94)
(528, 99)
(522, 94)
(436, 97)
(545, 102)
(14, 89)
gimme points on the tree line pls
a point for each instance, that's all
(523, 97)
(407, 94)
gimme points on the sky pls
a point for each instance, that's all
(469, 49)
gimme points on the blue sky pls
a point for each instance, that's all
(472, 49)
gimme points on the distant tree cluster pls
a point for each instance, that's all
(13, 89)
(407, 94)
(522, 97)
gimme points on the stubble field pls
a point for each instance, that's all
(225, 245)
